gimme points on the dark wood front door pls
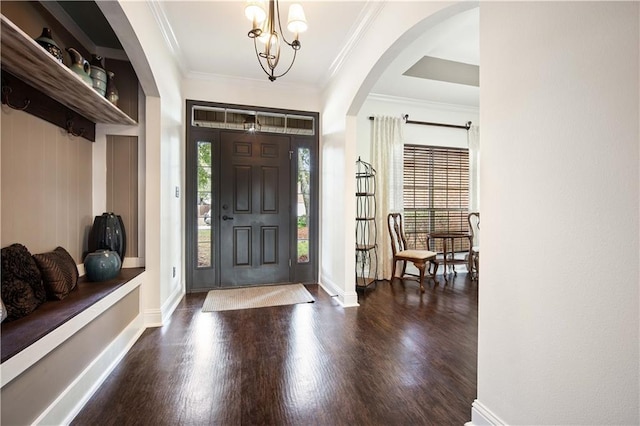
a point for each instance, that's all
(254, 209)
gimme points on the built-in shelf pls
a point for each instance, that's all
(24, 58)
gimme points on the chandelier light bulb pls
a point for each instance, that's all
(297, 22)
(255, 11)
(266, 32)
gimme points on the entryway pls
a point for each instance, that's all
(251, 212)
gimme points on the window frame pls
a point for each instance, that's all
(435, 194)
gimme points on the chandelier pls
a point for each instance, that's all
(267, 29)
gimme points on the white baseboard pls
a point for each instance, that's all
(157, 317)
(153, 318)
(482, 416)
(75, 396)
(172, 303)
(347, 300)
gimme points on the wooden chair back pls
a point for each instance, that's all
(474, 227)
(396, 232)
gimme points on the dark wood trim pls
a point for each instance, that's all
(16, 94)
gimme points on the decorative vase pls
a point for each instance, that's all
(108, 232)
(112, 90)
(80, 66)
(46, 41)
(102, 265)
(98, 75)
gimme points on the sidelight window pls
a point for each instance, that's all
(303, 199)
(204, 214)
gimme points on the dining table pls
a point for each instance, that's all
(448, 258)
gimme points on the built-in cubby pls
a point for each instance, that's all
(54, 180)
(55, 176)
(25, 59)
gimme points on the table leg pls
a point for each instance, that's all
(444, 255)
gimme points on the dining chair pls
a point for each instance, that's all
(474, 247)
(401, 253)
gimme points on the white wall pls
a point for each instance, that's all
(558, 304)
(251, 92)
(395, 25)
(135, 23)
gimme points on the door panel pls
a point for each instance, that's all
(254, 209)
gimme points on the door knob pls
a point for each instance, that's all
(225, 217)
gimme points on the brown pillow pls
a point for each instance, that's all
(59, 272)
(22, 288)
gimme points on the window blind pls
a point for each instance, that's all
(436, 194)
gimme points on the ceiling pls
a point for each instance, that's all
(209, 38)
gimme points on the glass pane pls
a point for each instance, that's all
(203, 221)
(303, 197)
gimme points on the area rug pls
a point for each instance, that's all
(256, 297)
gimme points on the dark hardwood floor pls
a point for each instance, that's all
(401, 358)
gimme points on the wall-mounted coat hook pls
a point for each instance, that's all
(71, 131)
(6, 91)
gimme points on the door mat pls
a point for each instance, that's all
(256, 297)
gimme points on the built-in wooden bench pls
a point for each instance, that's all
(19, 334)
(55, 355)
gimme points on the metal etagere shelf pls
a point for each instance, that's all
(366, 245)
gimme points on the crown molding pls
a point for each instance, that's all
(423, 103)
(369, 12)
(159, 14)
(250, 82)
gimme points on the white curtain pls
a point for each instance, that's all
(473, 138)
(387, 159)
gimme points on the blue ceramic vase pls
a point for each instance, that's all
(102, 265)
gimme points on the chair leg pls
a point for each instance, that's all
(476, 261)
(404, 268)
(420, 267)
(436, 265)
(393, 271)
(433, 274)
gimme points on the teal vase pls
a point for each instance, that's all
(102, 265)
(80, 66)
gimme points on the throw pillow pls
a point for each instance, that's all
(22, 288)
(3, 315)
(59, 272)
